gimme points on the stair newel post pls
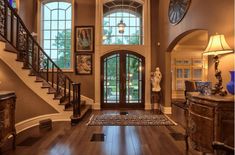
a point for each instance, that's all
(76, 104)
(69, 91)
(79, 98)
(52, 75)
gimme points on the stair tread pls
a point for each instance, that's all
(83, 108)
(83, 102)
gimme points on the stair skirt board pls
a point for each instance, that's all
(9, 59)
(35, 86)
(26, 124)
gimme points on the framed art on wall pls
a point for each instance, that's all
(83, 64)
(84, 38)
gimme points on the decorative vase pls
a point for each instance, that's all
(230, 85)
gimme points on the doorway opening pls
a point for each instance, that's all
(122, 80)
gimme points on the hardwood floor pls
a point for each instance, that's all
(65, 139)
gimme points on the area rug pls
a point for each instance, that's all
(130, 120)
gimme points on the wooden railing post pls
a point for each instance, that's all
(76, 103)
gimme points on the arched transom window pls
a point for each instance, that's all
(56, 31)
(122, 23)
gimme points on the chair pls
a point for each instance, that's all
(222, 149)
(189, 87)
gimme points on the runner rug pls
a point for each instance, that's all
(130, 120)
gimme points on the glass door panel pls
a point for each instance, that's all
(122, 80)
(111, 82)
(133, 79)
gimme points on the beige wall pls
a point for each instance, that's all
(211, 15)
(28, 104)
(26, 11)
(84, 14)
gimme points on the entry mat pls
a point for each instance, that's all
(130, 120)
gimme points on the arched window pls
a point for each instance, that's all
(56, 31)
(122, 23)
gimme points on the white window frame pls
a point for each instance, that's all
(40, 33)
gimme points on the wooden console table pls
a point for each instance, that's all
(210, 118)
(7, 117)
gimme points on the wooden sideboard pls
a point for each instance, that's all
(7, 117)
(210, 118)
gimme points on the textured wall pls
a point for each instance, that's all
(84, 15)
(218, 18)
(28, 104)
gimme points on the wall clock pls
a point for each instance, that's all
(177, 10)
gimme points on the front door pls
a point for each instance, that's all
(122, 80)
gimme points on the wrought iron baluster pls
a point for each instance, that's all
(47, 74)
(5, 24)
(52, 75)
(12, 24)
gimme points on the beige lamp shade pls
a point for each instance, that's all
(217, 45)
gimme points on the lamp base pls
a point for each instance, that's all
(218, 89)
(221, 92)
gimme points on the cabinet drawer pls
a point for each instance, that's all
(201, 132)
(202, 110)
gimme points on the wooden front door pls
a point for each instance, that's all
(122, 80)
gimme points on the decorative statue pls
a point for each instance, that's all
(156, 79)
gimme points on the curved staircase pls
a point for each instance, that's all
(37, 70)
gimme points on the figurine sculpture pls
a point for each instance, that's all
(156, 79)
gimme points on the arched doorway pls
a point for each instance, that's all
(122, 80)
(187, 61)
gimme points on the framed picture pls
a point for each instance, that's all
(84, 38)
(83, 64)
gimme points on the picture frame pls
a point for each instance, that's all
(83, 64)
(84, 38)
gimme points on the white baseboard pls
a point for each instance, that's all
(147, 106)
(96, 106)
(165, 110)
(87, 99)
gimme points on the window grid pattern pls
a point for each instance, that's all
(56, 32)
(112, 79)
(133, 30)
(133, 79)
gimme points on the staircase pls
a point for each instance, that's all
(38, 64)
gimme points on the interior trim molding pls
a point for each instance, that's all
(165, 110)
(29, 123)
(147, 106)
(87, 99)
(96, 106)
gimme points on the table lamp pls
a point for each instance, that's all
(217, 45)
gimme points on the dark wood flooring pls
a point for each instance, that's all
(65, 139)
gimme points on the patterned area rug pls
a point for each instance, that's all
(129, 120)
